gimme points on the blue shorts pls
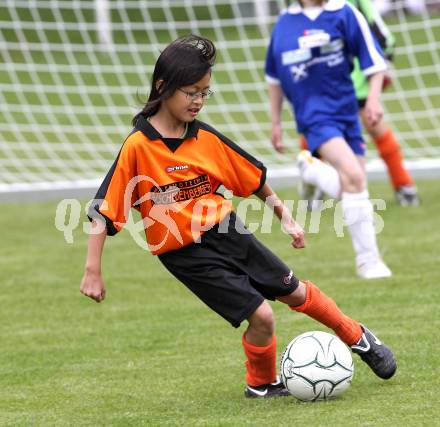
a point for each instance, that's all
(321, 133)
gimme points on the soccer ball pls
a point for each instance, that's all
(316, 366)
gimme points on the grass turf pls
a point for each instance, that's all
(152, 354)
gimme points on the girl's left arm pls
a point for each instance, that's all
(373, 106)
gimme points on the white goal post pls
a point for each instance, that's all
(74, 72)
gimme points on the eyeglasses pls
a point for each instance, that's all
(194, 95)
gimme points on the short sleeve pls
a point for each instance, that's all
(241, 173)
(362, 44)
(270, 68)
(117, 193)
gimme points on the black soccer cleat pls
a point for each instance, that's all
(275, 389)
(375, 354)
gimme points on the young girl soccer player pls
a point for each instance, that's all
(169, 168)
(309, 60)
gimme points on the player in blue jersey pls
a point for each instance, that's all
(309, 61)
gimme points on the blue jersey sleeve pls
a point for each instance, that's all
(271, 66)
(362, 44)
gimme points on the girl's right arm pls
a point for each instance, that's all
(92, 284)
(290, 226)
(276, 103)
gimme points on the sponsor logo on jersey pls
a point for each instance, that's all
(312, 31)
(294, 56)
(181, 190)
(300, 72)
(334, 46)
(170, 169)
(313, 38)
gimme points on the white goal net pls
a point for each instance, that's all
(74, 72)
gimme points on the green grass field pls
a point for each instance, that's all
(151, 354)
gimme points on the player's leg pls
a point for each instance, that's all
(259, 344)
(310, 300)
(389, 150)
(261, 326)
(338, 153)
(386, 144)
(274, 280)
(320, 135)
(215, 270)
(268, 276)
(316, 179)
(260, 273)
(315, 174)
(303, 143)
(307, 191)
(356, 206)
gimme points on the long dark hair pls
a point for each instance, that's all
(183, 62)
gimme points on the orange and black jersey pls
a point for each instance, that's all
(173, 183)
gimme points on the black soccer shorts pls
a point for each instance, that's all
(231, 272)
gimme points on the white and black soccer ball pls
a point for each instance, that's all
(316, 366)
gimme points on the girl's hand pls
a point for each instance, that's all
(92, 285)
(296, 232)
(373, 111)
(277, 139)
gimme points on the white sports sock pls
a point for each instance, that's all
(323, 176)
(358, 216)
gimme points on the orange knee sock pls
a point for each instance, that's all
(389, 150)
(260, 363)
(323, 309)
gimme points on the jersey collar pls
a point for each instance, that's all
(151, 133)
(331, 6)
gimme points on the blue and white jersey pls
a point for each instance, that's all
(310, 55)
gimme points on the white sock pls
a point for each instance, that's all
(358, 216)
(323, 176)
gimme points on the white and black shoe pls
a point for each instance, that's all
(407, 195)
(275, 389)
(375, 354)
